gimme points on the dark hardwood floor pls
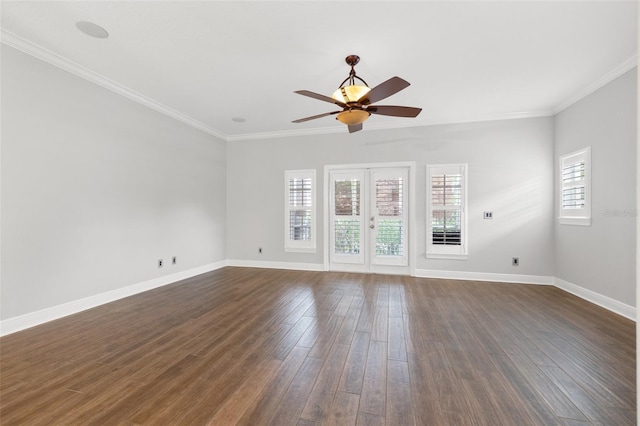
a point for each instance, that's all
(257, 347)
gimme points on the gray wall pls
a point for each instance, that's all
(97, 188)
(601, 257)
(510, 173)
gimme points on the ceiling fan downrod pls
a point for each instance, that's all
(352, 60)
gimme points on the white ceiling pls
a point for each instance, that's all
(208, 62)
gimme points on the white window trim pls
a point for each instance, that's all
(437, 251)
(571, 216)
(307, 246)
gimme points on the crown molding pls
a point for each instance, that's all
(625, 66)
(37, 51)
(389, 126)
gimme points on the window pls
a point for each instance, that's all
(299, 211)
(575, 188)
(446, 211)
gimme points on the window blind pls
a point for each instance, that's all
(446, 218)
(446, 207)
(299, 210)
(574, 188)
(299, 219)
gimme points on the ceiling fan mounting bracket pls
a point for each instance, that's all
(352, 60)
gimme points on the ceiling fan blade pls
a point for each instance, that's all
(384, 90)
(320, 97)
(355, 128)
(396, 111)
(313, 117)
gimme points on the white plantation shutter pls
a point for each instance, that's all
(446, 208)
(574, 188)
(347, 218)
(390, 239)
(299, 232)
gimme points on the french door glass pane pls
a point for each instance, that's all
(347, 235)
(389, 241)
(347, 222)
(389, 203)
(347, 197)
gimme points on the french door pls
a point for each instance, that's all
(368, 220)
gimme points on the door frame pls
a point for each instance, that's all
(411, 235)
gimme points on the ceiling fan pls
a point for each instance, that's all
(355, 100)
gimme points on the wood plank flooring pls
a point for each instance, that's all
(273, 347)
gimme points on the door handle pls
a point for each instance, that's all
(372, 226)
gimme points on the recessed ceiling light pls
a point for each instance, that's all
(239, 119)
(91, 29)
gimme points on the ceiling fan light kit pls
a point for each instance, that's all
(356, 99)
(352, 93)
(353, 116)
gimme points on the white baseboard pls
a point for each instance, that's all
(12, 325)
(276, 265)
(597, 298)
(583, 293)
(485, 276)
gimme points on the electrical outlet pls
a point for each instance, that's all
(488, 215)
(160, 263)
(515, 261)
(260, 250)
(174, 260)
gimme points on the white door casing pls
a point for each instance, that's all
(369, 213)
